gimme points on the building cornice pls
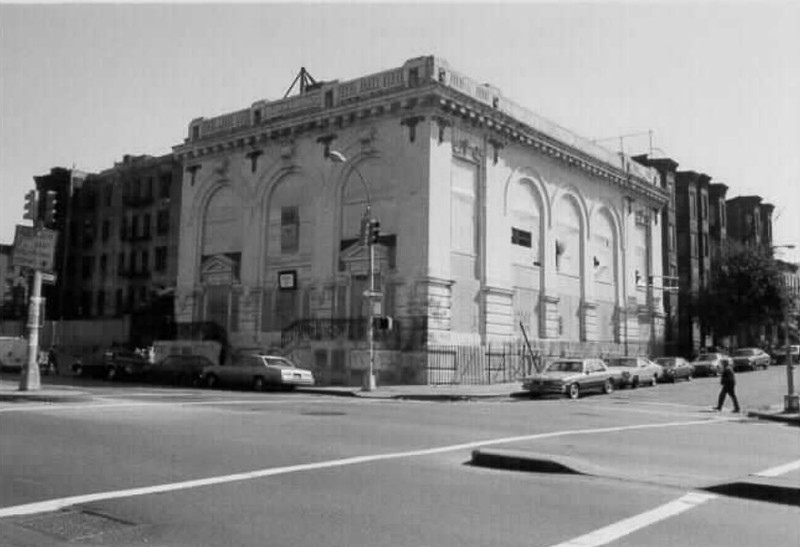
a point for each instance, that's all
(422, 86)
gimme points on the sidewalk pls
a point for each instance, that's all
(9, 392)
(423, 393)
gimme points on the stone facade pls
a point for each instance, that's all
(491, 219)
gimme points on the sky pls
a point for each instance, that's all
(716, 83)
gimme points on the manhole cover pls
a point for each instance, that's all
(74, 525)
(323, 413)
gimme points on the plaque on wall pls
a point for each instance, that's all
(287, 280)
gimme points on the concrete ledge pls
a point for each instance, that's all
(771, 490)
(517, 460)
(776, 416)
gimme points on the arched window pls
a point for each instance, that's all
(221, 256)
(288, 230)
(525, 218)
(222, 224)
(568, 238)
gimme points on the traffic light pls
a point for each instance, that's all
(50, 204)
(365, 230)
(374, 230)
(31, 206)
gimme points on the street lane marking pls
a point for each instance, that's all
(60, 503)
(135, 404)
(613, 532)
(780, 470)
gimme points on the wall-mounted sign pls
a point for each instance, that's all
(287, 280)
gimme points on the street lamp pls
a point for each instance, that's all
(791, 401)
(368, 225)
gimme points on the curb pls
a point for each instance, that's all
(791, 419)
(533, 462)
(44, 397)
(755, 488)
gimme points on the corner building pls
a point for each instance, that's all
(491, 219)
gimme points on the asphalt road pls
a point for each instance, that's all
(140, 465)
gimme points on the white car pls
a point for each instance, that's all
(258, 371)
(634, 371)
(709, 364)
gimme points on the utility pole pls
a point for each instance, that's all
(31, 378)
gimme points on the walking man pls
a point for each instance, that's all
(728, 381)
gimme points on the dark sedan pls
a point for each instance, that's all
(179, 369)
(570, 377)
(675, 368)
(745, 359)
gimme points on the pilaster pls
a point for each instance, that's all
(589, 320)
(433, 301)
(498, 311)
(549, 319)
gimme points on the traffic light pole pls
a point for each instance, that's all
(31, 379)
(369, 380)
(791, 402)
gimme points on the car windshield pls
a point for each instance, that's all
(706, 357)
(622, 362)
(744, 352)
(565, 366)
(666, 361)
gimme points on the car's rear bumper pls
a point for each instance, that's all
(307, 382)
(545, 388)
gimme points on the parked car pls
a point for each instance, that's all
(94, 365)
(745, 359)
(675, 368)
(633, 371)
(709, 364)
(258, 371)
(570, 377)
(127, 364)
(779, 355)
(179, 369)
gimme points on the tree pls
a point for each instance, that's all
(746, 290)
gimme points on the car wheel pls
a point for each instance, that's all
(608, 387)
(574, 391)
(258, 383)
(212, 381)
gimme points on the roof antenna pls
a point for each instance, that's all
(305, 80)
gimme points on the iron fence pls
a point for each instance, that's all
(479, 365)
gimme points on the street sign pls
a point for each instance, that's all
(34, 248)
(49, 278)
